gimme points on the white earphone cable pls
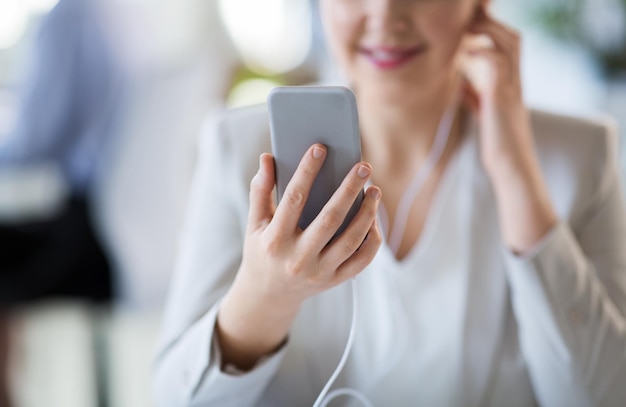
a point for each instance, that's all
(322, 400)
(396, 234)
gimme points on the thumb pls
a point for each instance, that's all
(261, 200)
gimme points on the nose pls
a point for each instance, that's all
(388, 15)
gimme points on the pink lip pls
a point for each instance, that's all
(388, 58)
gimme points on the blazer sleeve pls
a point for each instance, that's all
(188, 371)
(569, 299)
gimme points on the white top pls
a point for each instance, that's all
(460, 321)
(426, 298)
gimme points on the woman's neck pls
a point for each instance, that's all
(403, 130)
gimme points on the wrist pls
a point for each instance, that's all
(524, 205)
(258, 293)
(251, 298)
(250, 326)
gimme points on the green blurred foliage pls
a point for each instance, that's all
(563, 19)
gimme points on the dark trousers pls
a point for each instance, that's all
(56, 258)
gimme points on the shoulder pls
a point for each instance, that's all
(573, 135)
(578, 157)
(582, 144)
(231, 142)
(241, 131)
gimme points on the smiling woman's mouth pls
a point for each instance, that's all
(389, 57)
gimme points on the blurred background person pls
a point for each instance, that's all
(65, 115)
(115, 90)
(105, 125)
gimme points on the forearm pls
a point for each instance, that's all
(524, 206)
(250, 326)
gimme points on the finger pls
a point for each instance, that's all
(290, 207)
(504, 38)
(261, 200)
(496, 60)
(351, 239)
(332, 215)
(362, 257)
(500, 30)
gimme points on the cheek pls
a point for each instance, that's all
(342, 26)
(444, 27)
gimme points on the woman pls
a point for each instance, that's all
(508, 287)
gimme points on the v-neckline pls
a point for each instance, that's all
(435, 210)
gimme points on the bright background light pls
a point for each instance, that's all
(13, 19)
(272, 35)
(250, 92)
(39, 6)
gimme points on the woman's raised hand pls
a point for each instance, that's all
(283, 265)
(506, 137)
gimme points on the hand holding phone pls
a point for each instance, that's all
(282, 263)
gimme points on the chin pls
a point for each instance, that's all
(393, 86)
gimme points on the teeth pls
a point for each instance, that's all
(385, 55)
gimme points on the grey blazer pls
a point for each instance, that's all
(548, 328)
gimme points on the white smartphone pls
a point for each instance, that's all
(301, 116)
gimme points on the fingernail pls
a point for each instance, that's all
(318, 152)
(364, 171)
(375, 193)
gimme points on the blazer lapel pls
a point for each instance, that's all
(487, 290)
